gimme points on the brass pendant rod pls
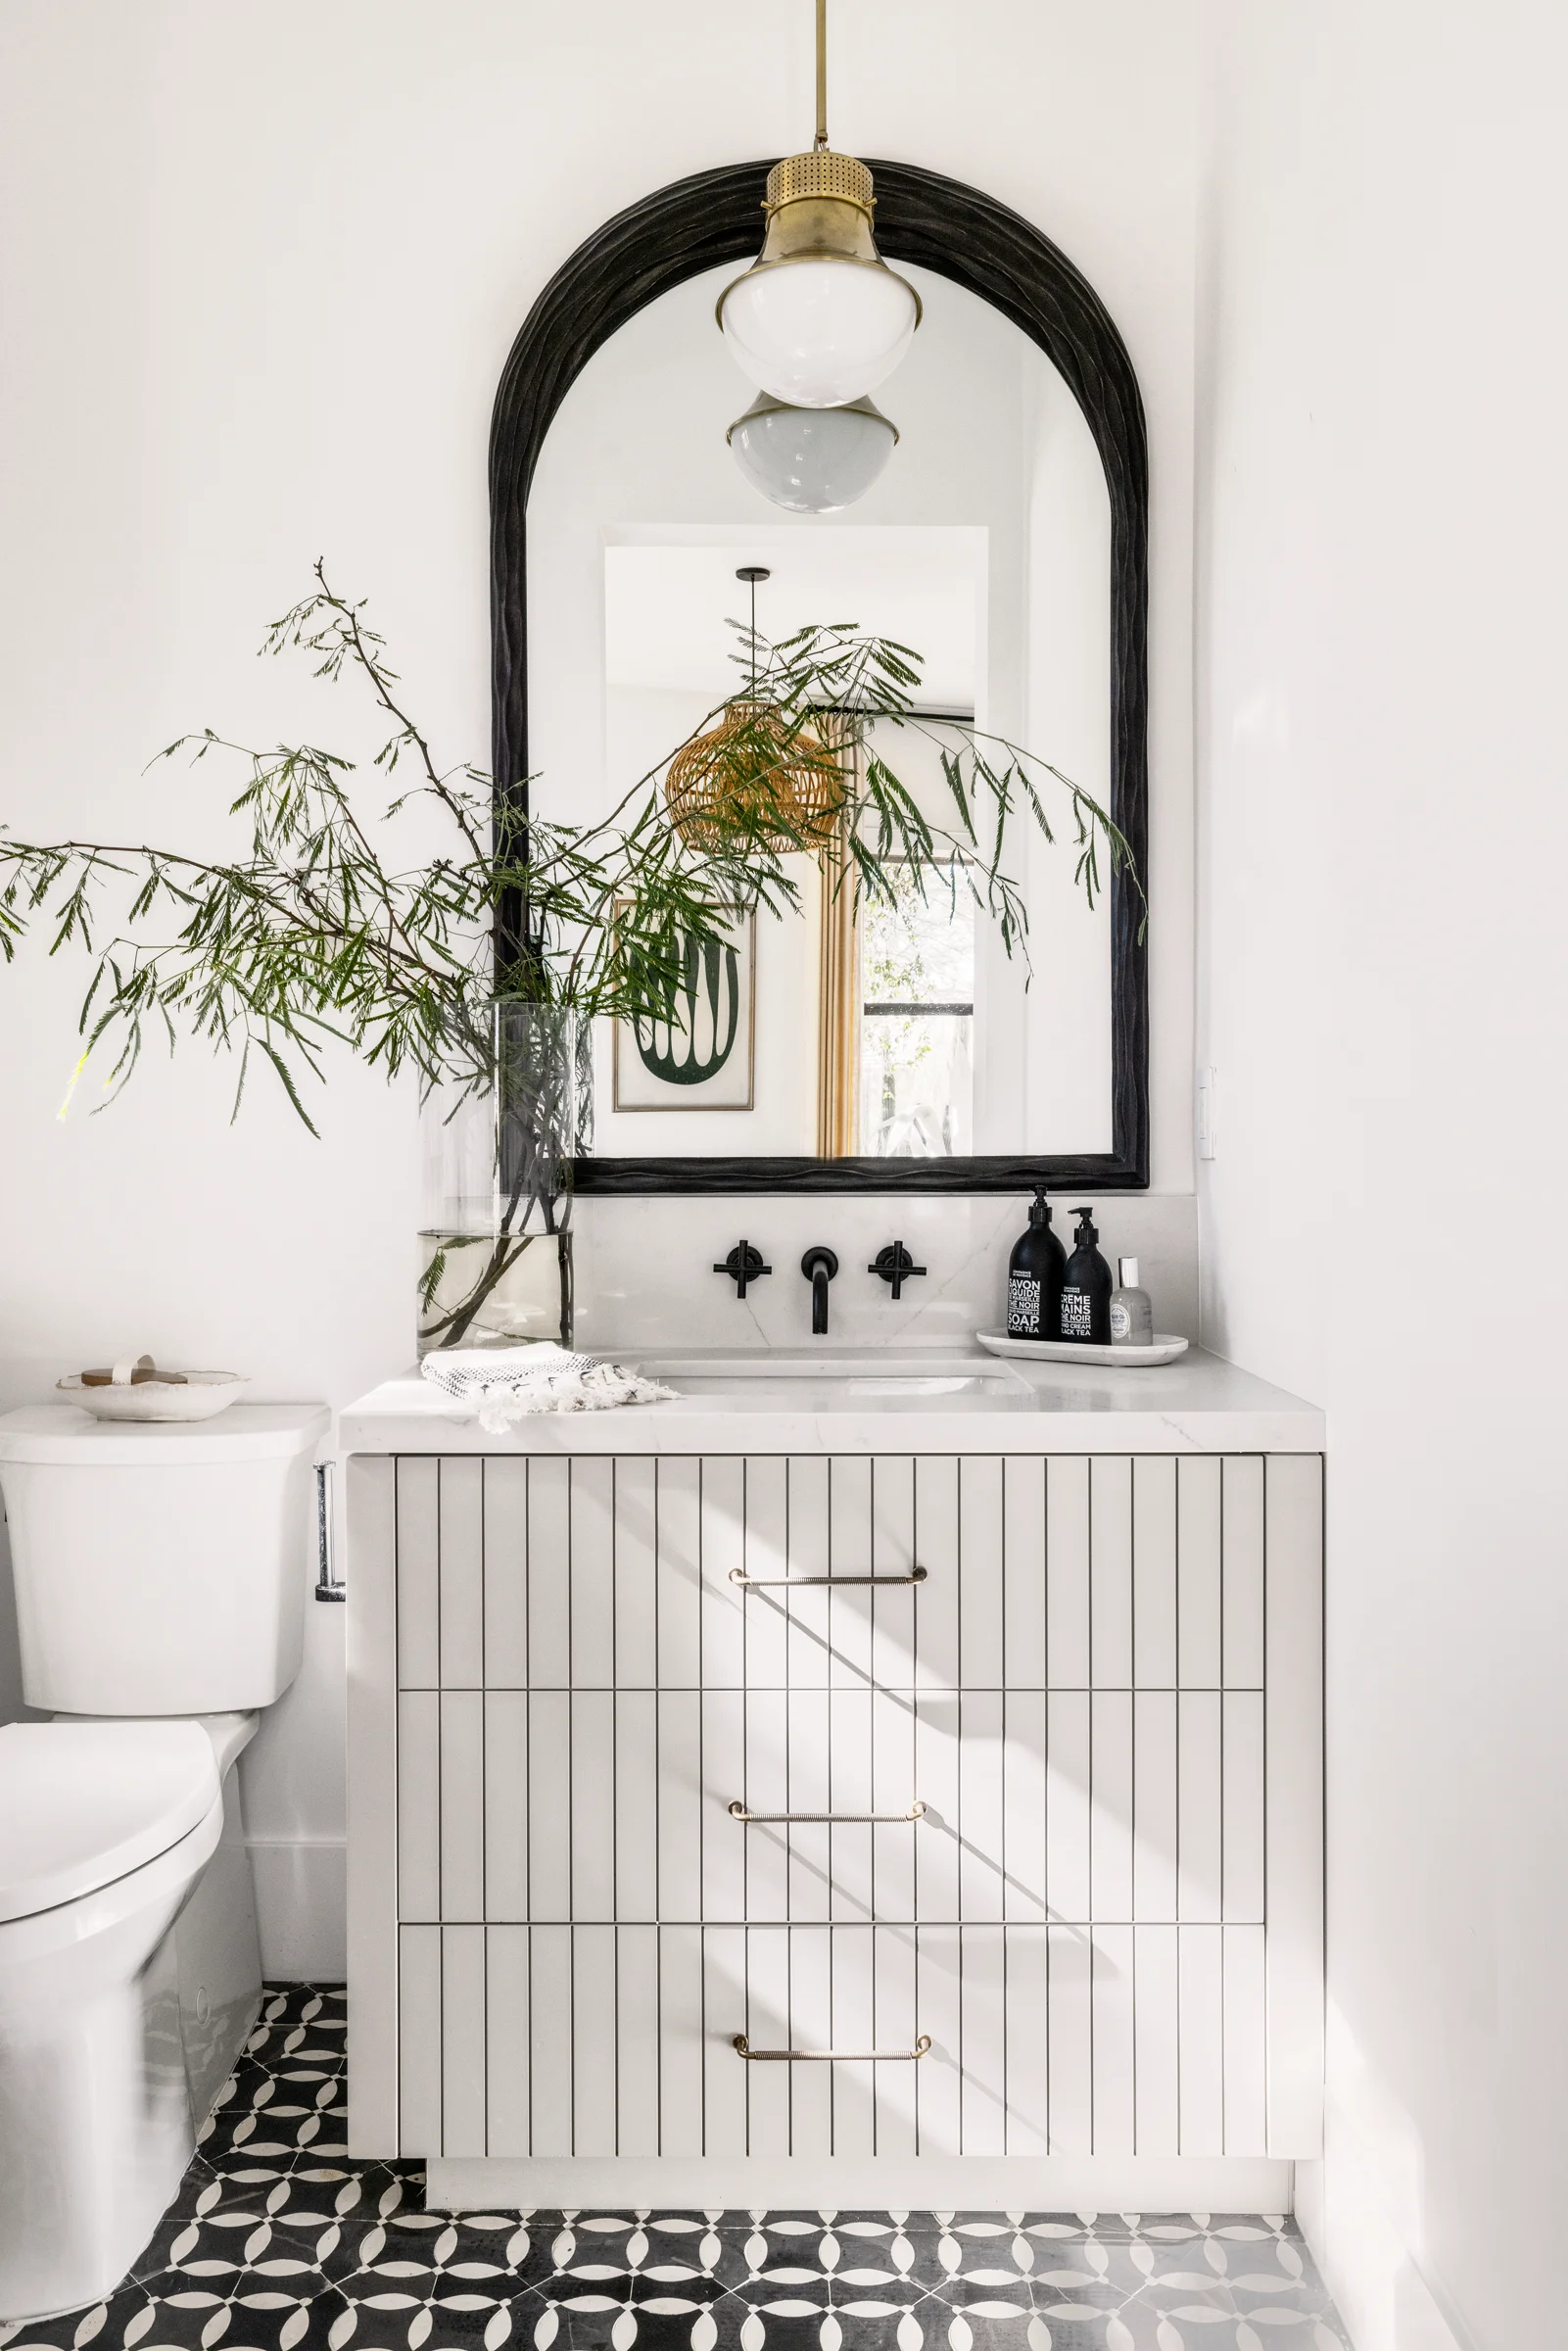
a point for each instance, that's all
(822, 72)
(752, 573)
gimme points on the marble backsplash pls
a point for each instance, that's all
(645, 1272)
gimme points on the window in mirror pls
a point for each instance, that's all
(917, 1020)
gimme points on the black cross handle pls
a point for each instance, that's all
(895, 1264)
(742, 1265)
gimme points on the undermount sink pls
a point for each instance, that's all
(944, 1383)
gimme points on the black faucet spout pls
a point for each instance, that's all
(819, 1265)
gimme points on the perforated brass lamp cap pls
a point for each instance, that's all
(819, 319)
(819, 173)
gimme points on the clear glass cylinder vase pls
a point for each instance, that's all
(498, 1133)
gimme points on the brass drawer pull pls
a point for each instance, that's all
(781, 1583)
(743, 2048)
(737, 1811)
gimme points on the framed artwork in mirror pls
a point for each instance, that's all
(704, 1056)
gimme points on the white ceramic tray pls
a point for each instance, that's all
(1164, 1349)
(198, 1396)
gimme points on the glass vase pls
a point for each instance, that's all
(498, 1133)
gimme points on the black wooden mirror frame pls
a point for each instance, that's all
(961, 233)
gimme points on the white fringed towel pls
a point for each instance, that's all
(509, 1384)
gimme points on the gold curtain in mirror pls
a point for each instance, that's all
(838, 981)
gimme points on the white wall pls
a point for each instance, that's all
(260, 277)
(1382, 350)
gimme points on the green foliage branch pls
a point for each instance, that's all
(309, 936)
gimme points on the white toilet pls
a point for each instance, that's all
(161, 1573)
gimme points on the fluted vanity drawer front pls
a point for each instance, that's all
(772, 1573)
(988, 1807)
(535, 2041)
(832, 1805)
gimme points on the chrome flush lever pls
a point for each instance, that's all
(328, 1584)
(742, 1265)
(895, 1264)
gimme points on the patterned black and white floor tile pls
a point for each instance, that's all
(278, 2242)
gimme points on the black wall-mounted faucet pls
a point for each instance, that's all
(895, 1264)
(819, 1267)
(743, 1265)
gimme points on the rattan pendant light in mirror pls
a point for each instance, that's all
(723, 786)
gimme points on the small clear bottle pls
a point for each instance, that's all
(1132, 1317)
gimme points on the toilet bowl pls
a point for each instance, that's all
(160, 1574)
(105, 1829)
(218, 1949)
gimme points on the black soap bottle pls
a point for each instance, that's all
(1034, 1279)
(1086, 1287)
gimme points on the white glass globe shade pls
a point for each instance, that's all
(812, 460)
(819, 333)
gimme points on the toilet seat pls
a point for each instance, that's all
(84, 1803)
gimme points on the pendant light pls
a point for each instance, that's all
(819, 319)
(812, 460)
(718, 786)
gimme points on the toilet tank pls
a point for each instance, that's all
(159, 1568)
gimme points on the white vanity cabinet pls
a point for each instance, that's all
(1011, 1758)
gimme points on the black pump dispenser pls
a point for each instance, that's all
(1034, 1278)
(1086, 1287)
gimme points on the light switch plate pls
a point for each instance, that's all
(1208, 1141)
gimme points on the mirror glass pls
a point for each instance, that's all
(984, 546)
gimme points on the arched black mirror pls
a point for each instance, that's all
(1007, 542)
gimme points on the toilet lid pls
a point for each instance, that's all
(82, 1803)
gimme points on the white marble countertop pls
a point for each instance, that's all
(1199, 1404)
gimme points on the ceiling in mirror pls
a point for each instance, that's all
(670, 599)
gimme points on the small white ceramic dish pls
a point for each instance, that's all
(194, 1396)
(1164, 1349)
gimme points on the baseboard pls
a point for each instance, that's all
(301, 1909)
(874, 2184)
